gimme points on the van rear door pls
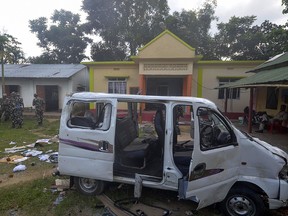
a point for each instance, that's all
(87, 134)
(215, 159)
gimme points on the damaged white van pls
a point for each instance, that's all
(182, 144)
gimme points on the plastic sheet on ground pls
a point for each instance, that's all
(31, 153)
(19, 168)
(43, 141)
(50, 158)
(15, 149)
(14, 159)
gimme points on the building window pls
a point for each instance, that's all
(272, 98)
(233, 93)
(117, 85)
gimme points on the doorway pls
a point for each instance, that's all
(50, 94)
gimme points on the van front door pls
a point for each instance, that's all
(215, 159)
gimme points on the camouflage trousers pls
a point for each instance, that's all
(17, 118)
(39, 116)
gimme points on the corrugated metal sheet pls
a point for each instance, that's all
(42, 70)
(277, 61)
(273, 72)
(275, 76)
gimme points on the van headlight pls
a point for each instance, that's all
(283, 174)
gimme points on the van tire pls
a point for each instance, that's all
(89, 186)
(242, 201)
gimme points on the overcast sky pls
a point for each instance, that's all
(15, 14)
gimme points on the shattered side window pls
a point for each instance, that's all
(213, 130)
(92, 115)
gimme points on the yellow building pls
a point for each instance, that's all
(168, 66)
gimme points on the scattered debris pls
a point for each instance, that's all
(19, 168)
(15, 149)
(12, 143)
(53, 157)
(13, 212)
(43, 157)
(110, 204)
(31, 153)
(55, 139)
(50, 158)
(32, 145)
(61, 185)
(43, 141)
(49, 151)
(188, 213)
(62, 182)
(60, 198)
(13, 159)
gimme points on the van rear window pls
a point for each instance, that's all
(92, 115)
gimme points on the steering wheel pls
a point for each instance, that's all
(206, 136)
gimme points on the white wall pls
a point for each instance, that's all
(65, 86)
(80, 78)
(210, 81)
(28, 88)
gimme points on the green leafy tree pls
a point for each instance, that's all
(63, 42)
(237, 39)
(193, 27)
(240, 40)
(126, 24)
(10, 52)
(285, 4)
(103, 52)
(274, 39)
(44, 58)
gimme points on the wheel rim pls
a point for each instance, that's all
(241, 205)
(87, 184)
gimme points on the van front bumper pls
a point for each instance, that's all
(283, 196)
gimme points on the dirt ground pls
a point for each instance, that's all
(28, 175)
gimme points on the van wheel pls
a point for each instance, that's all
(89, 186)
(242, 201)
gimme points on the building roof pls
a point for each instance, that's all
(171, 34)
(273, 72)
(42, 70)
(277, 61)
(166, 46)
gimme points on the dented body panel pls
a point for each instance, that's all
(198, 153)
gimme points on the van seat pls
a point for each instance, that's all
(81, 121)
(133, 150)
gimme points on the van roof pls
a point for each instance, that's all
(148, 98)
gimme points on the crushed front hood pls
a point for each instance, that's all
(275, 150)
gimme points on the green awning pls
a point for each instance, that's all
(277, 61)
(277, 77)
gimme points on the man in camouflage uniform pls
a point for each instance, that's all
(17, 107)
(5, 107)
(39, 104)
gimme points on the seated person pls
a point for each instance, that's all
(281, 116)
(246, 116)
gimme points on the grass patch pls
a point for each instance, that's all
(28, 134)
(36, 198)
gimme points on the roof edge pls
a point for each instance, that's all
(230, 62)
(108, 62)
(170, 33)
